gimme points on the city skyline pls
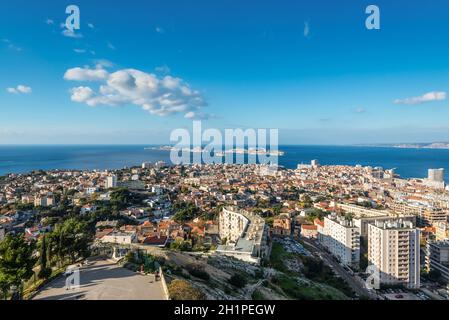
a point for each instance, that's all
(262, 153)
(311, 70)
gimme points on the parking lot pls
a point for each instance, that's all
(104, 280)
(399, 294)
(292, 246)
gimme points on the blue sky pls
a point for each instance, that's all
(309, 68)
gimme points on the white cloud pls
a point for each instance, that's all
(160, 30)
(103, 63)
(197, 115)
(158, 95)
(163, 69)
(360, 110)
(86, 74)
(20, 89)
(91, 25)
(110, 46)
(306, 29)
(71, 34)
(81, 94)
(11, 45)
(15, 48)
(428, 97)
(24, 89)
(79, 50)
(50, 22)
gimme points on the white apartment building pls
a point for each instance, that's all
(437, 257)
(362, 212)
(232, 224)
(427, 214)
(393, 248)
(120, 238)
(442, 231)
(147, 165)
(342, 238)
(245, 233)
(111, 182)
(436, 175)
(160, 164)
(44, 201)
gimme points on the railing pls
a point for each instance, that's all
(164, 284)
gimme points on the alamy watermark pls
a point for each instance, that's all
(73, 21)
(373, 280)
(372, 22)
(73, 280)
(233, 146)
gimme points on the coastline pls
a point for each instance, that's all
(410, 163)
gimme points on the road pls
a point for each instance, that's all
(434, 296)
(352, 281)
(104, 280)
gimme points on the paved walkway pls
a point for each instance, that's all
(103, 280)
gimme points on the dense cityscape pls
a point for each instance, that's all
(225, 231)
(224, 159)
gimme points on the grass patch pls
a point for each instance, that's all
(33, 287)
(322, 284)
(306, 291)
(278, 256)
(257, 295)
(316, 270)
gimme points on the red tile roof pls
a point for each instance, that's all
(309, 227)
(155, 240)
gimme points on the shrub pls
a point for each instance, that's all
(237, 280)
(183, 290)
(257, 295)
(181, 245)
(198, 271)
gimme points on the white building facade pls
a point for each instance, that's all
(232, 224)
(342, 239)
(111, 182)
(437, 257)
(393, 248)
(246, 235)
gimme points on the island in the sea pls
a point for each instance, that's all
(434, 145)
(423, 145)
(249, 151)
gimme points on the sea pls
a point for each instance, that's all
(409, 163)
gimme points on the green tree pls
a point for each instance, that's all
(16, 261)
(43, 253)
(181, 245)
(44, 271)
(4, 286)
(70, 240)
(120, 199)
(185, 212)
